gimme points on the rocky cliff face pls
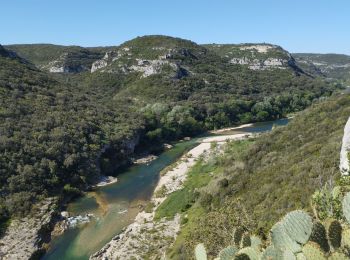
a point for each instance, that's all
(73, 62)
(256, 56)
(344, 152)
(127, 60)
(26, 237)
(152, 55)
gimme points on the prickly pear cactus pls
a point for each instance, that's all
(255, 242)
(228, 253)
(300, 256)
(298, 226)
(281, 240)
(334, 233)
(287, 255)
(346, 207)
(237, 235)
(312, 251)
(245, 241)
(338, 256)
(248, 253)
(200, 252)
(345, 239)
(270, 253)
(336, 192)
(319, 236)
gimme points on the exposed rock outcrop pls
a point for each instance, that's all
(344, 152)
(114, 61)
(264, 63)
(73, 61)
(27, 236)
(256, 56)
(108, 58)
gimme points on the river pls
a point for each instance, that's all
(115, 206)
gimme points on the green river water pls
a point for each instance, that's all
(115, 206)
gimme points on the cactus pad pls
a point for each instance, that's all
(270, 253)
(255, 242)
(281, 240)
(245, 241)
(237, 235)
(298, 226)
(345, 240)
(319, 236)
(200, 252)
(312, 251)
(334, 233)
(338, 256)
(228, 253)
(248, 253)
(346, 207)
(301, 256)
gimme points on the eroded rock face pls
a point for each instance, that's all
(151, 67)
(73, 62)
(121, 61)
(257, 56)
(108, 58)
(344, 161)
(259, 47)
(25, 237)
(62, 65)
(259, 64)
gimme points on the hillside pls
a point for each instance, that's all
(255, 182)
(51, 134)
(334, 66)
(61, 130)
(256, 56)
(58, 59)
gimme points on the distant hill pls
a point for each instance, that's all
(256, 56)
(335, 66)
(56, 58)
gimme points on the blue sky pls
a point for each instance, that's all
(297, 25)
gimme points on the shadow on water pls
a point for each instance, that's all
(115, 206)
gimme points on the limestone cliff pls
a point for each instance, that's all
(344, 152)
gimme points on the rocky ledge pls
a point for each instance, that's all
(27, 238)
(344, 160)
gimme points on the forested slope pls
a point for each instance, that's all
(256, 182)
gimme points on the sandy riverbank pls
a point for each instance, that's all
(135, 240)
(230, 128)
